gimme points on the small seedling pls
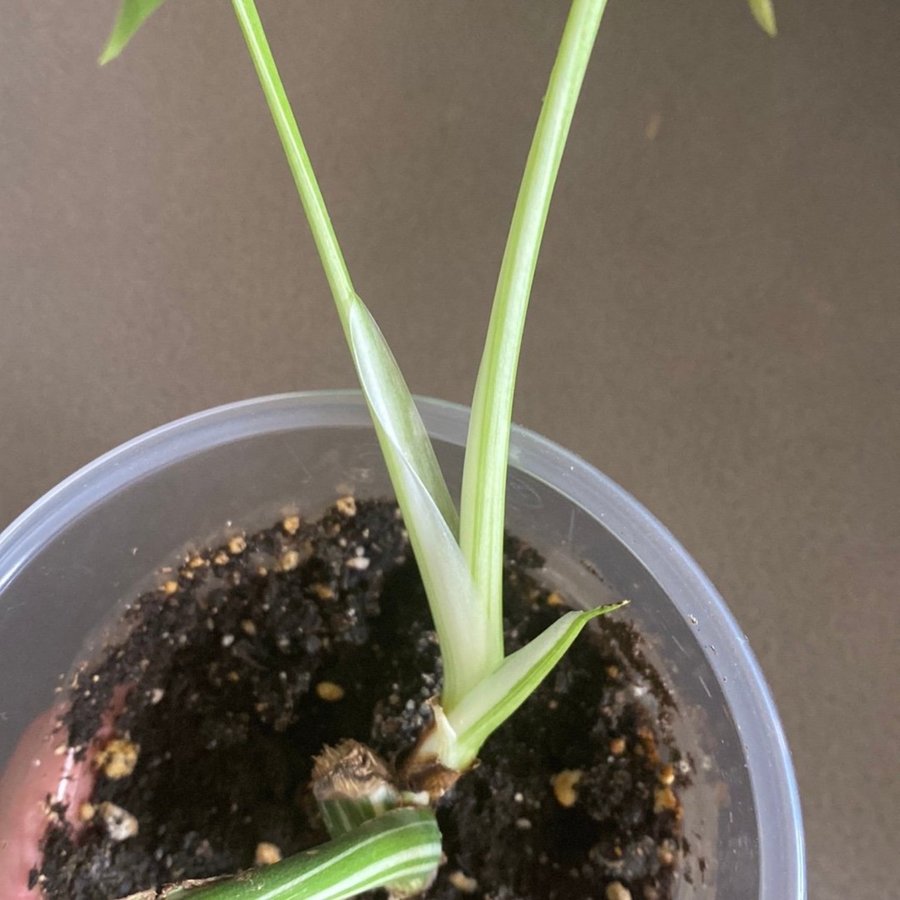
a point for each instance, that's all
(459, 553)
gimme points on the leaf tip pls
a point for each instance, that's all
(132, 14)
(764, 13)
(604, 610)
(109, 53)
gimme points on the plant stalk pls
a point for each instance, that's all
(323, 233)
(428, 509)
(487, 448)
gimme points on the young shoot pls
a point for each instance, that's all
(460, 557)
(459, 554)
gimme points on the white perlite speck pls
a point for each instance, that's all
(617, 891)
(120, 824)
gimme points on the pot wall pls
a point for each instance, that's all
(98, 538)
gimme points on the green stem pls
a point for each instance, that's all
(298, 159)
(400, 850)
(487, 449)
(428, 509)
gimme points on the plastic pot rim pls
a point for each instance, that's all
(779, 819)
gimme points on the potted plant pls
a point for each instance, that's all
(294, 600)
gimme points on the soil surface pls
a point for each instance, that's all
(252, 656)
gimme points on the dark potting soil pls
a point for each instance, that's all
(252, 656)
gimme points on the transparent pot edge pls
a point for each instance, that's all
(740, 678)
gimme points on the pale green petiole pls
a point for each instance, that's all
(428, 510)
(398, 407)
(483, 504)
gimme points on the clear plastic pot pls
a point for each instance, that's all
(99, 537)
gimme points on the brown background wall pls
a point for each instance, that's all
(715, 319)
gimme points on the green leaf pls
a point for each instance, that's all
(764, 13)
(132, 14)
(459, 733)
(487, 450)
(456, 608)
(400, 850)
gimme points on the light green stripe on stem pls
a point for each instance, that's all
(484, 477)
